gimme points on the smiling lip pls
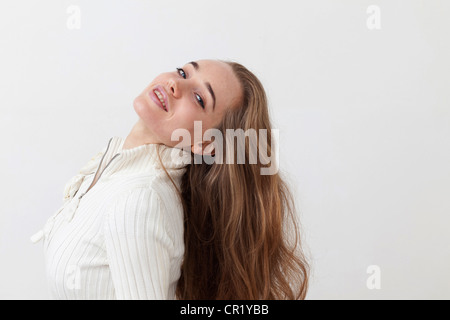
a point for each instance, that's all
(155, 98)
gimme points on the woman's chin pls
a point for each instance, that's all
(141, 107)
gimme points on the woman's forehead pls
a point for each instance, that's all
(222, 78)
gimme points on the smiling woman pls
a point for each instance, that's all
(138, 222)
(199, 91)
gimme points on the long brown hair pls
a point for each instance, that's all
(241, 234)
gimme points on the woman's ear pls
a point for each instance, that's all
(205, 148)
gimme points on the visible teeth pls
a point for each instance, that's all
(161, 98)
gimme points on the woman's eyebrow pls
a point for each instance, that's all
(208, 85)
(195, 64)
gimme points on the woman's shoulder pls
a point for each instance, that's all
(166, 186)
(149, 189)
(151, 204)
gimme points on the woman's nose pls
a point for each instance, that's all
(173, 87)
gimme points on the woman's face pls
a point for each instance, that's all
(198, 91)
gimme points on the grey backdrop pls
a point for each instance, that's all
(360, 98)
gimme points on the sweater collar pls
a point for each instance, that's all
(113, 160)
(143, 158)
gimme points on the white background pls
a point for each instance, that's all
(364, 120)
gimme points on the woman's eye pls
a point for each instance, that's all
(181, 72)
(200, 101)
(198, 97)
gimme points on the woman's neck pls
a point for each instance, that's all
(138, 136)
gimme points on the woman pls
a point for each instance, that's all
(145, 220)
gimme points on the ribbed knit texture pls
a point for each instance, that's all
(123, 239)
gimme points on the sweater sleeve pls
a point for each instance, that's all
(139, 246)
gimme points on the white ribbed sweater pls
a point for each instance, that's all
(123, 239)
